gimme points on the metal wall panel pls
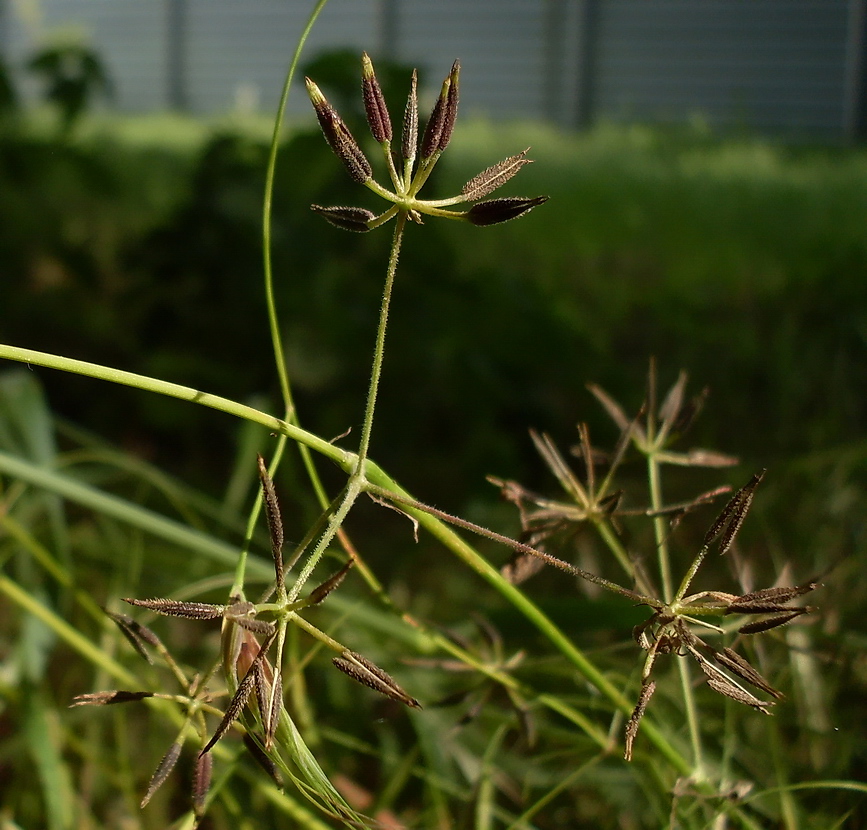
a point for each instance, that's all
(775, 65)
(781, 66)
(500, 45)
(239, 52)
(129, 35)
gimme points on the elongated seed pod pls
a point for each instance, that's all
(634, 722)
(495, 211)
(495, 176)
(163, 770)
(364, 671)
(275, 520)
(176, 608)
(409, 136)
(347, 218)
(374, 102)
(338, 136)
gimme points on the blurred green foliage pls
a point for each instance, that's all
(72, 76)
(743, 263)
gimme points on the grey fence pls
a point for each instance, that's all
(793, 67)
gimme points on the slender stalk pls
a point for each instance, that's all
(659, 529)
(660, 533)
(273, 323)
(350, 495)
(691, 719)
(276, 340)
(318, 634)
(184, 393)
(604, 529)
(379, 349)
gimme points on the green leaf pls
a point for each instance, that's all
(42, 731)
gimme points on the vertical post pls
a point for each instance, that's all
(588, 47)
(552, 95)
(855, 77)
(7, 90)
(176, 55)
(388, 29)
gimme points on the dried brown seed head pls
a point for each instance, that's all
(243, 692)
(634, 722)
(275, 521)
(254, 625)
(137, 634)
(364, 671)
(108, 698)
(276, 709)
(338, 136)
(374, 102)
(201, 782)
(495, 211)
(729, 522)
(318, 594)
(769, 600)
(737, 665)
(451, 107)
(671, 406)
(773, 622)
(724, 685)
(441, 123)
(689, 411)
(163, 770)
(177, 608)
(262, 758)
(347, 218)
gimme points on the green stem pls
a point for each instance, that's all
(273, 322)
(318, 634)
(345, 460)
(613, 543)
(350, 495)
(660, 533)
(90, 651)
(659, 528)
(276, 340)
(379, 349)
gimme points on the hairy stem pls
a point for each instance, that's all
(660, 532)
(350, 494)
(379, 349)
(184, 393)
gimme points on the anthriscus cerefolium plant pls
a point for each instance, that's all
(546, 727)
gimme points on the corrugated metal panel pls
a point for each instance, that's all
(500, 45)
(239, 49)
(128, 34)
(776, 65)
(767, 64)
